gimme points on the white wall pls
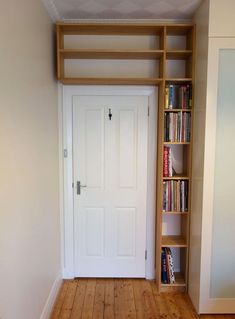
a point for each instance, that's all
(29, 209)
(202, 23)
(222, 18)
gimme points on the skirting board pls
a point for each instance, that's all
(51, 298)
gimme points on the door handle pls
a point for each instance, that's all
(79, 186)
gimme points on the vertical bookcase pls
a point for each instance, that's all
(173, 223)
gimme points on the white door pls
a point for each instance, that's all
(110, 163)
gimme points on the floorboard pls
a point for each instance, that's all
(122, 299)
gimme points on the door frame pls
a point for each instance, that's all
(66, 94)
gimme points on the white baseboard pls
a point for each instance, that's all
(51, 298)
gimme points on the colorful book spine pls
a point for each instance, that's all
(170, 266)
(165, 161)
(167, 97)
(170, 97)
(178, 96)
(164, 267)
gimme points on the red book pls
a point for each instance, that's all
(182, 127)
(165, 161)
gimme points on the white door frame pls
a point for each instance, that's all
(66, 175)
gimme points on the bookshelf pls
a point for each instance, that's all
(178, 72)
(167, 51)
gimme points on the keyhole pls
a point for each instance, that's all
(110, 114)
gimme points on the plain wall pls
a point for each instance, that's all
(222, 18)
(29, 195)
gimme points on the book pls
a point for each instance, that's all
(170, 266)
(163, 267)
(167, 97)
(175, 196)
(178, 96)
(166, 161)
(177, 126)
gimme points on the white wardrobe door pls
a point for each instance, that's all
(217, 284)
(223, 233)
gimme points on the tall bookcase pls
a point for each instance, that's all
(169, 54)
(173, 224)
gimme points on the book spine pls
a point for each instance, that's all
(167, 196)
(170, 166)
(164, 267)
(175, 97)
(183, 196)
(167, 97)
(164, 197)
(190, 100)
(186, 196)
(184, 89)
(165, 161)
(178, 196)
(170, 96)
(170, 266)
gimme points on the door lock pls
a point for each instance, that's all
(79, 186)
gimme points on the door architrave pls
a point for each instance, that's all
(66, 168)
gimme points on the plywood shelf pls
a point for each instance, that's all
(176, 143)
(176, 177)
(178, 80)
(110, 28)
(173, 241)
(174, 213)
(179, 281)
(111, 54)
(177, 110)
(178, 54)
(111, 81)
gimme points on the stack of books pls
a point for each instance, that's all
(178, 96)
(167, 271)
(177, 126)
(175, 196)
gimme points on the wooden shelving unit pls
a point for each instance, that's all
(174, 51)
(182, 53)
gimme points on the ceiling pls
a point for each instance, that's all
(121, 9)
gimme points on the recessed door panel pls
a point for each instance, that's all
(127, 147)
(94, 231)
(94, 145)
(126, 232)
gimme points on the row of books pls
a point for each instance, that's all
(168, 170)
(177, 126)
(175, 196)
(167, 267)
(178, 96)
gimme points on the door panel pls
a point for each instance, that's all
(217, 292)
(94, 144)
(126, 232)
(127, 148)
(110, 160)
(94, 231)
(91, 141)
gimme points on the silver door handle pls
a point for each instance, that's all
(79, 186)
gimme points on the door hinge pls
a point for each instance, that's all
(65, 153)
(148, 111)
(146, 254)
(72, 185)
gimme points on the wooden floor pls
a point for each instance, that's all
(122, 298)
